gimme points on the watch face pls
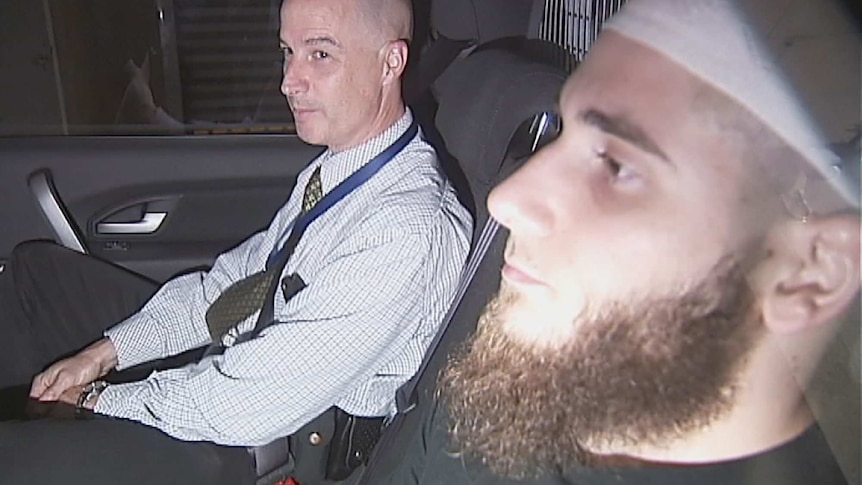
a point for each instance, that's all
(89, 393)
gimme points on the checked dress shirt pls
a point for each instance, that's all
(380, 268)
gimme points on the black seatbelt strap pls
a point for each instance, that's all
(406, 397)
(270, 456)
(278, 258)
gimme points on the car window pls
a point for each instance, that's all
(139, 67)
(102, 67)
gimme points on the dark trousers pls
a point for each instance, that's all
(53, 302)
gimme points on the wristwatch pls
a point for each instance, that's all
(90, 392)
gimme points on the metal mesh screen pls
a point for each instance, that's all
(575, 24)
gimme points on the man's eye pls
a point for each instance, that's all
(320, 55)
(286, 52)
(617, 170)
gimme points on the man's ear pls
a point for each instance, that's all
(812, 273)
(394, 61)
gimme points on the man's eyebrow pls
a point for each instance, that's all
(314, 41)
(622, 128)
(325, 40)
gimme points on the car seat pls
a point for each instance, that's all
(495, 107)
(457, 28)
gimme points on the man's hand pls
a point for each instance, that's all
(74, 372)
(71, 395)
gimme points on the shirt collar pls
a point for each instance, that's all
(337, 166)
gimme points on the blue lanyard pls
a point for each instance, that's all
(350, 184)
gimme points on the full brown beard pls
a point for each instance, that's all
(642, 372)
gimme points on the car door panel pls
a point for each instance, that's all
(206, 193)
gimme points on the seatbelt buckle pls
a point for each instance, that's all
(288, 481)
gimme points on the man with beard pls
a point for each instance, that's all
(679, 260)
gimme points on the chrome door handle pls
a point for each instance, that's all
(148, 225)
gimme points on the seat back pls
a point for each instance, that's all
(490, 103)
(488, 98)
(460, 25)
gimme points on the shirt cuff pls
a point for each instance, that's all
(136, 340)
(112, 401)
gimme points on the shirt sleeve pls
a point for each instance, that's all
(329, 338)
(173, 320)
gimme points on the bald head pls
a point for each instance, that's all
(387, 20)
(383, 20)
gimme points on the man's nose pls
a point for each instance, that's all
(524, 202)
(294, 80)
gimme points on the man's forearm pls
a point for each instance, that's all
(166, 325)
(173, 321)
(103, 354)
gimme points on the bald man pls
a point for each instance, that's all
(679, 262)
(331, 306)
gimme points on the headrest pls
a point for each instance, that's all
(481, 20)
(484, 98)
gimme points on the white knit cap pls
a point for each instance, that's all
(739, 53)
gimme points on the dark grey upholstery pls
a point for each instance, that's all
(459, 25)
(482, 21)
(483, 98)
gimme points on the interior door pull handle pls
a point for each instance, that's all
(148, 225)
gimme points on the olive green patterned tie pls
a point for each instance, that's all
(245, 297)
(313, 191)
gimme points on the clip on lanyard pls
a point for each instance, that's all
(339, 192)
(278, 259)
